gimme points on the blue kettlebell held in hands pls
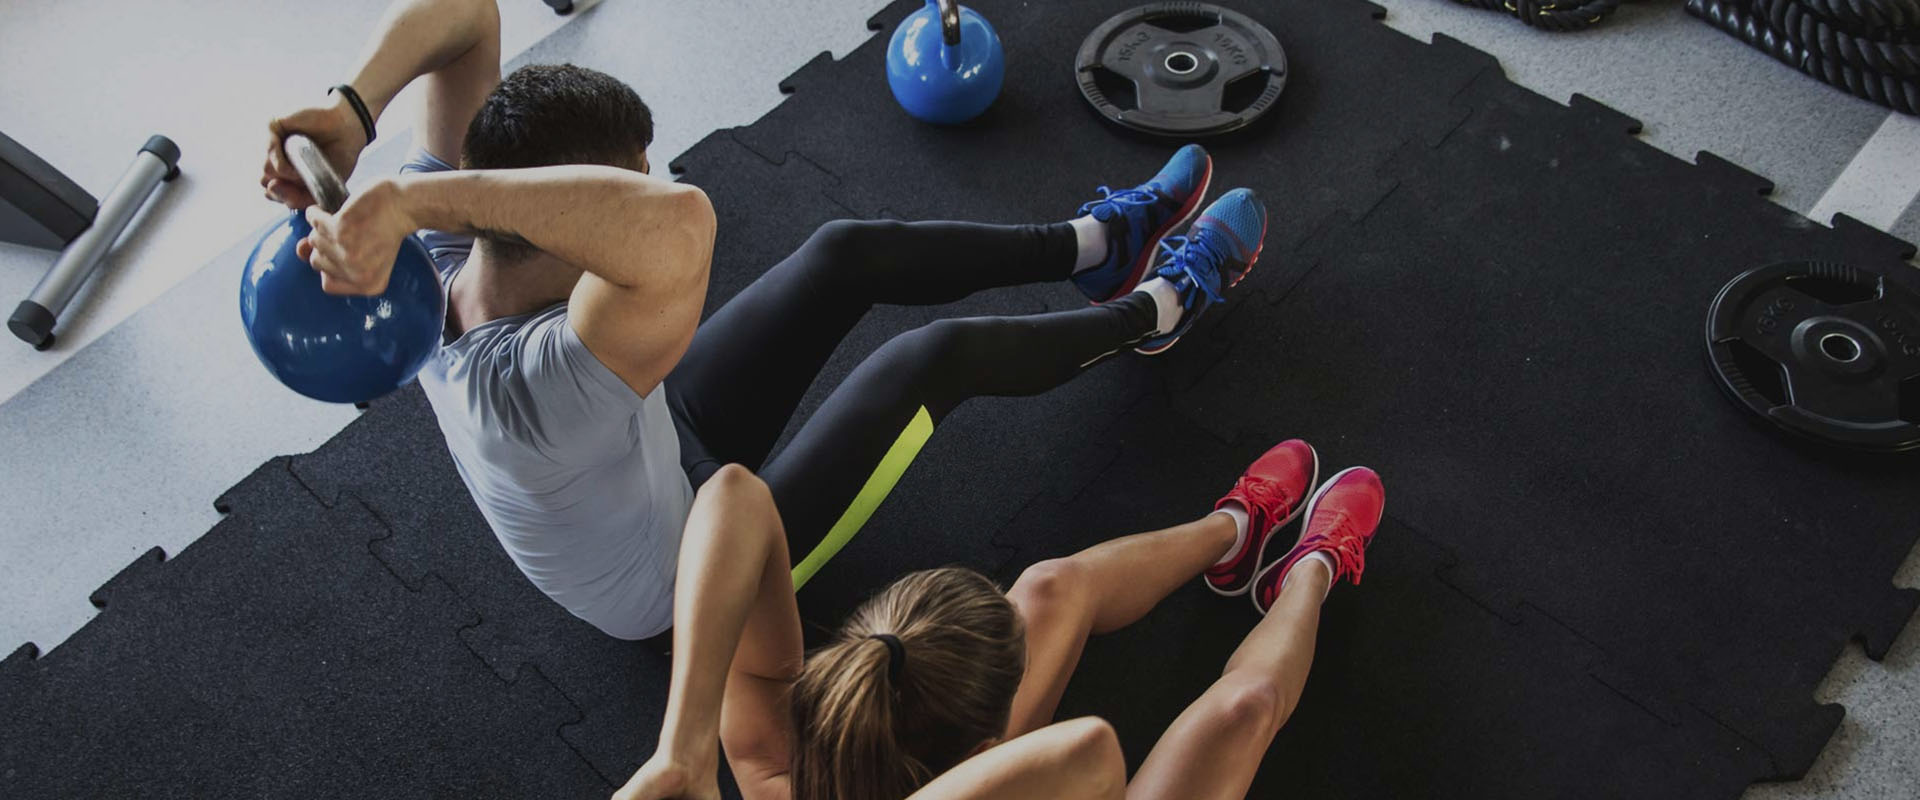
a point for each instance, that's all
(944, 63)
(334, 348)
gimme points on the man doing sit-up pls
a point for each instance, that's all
(580, 395)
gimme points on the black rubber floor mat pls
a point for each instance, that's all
(1513, 336)
(1416, 689)
(276, 657)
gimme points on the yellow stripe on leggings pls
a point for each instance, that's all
(878, 486)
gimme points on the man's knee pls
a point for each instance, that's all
(963, 342)
(1050, 591)
(850, 243)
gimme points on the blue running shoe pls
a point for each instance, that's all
(1138, 218)
(1215, 254)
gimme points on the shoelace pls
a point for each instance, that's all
(1343, 543)
(1263, 494)
(1349, 549)
(1108, 206)
(1198, 258)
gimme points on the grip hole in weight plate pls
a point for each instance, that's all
(1764, 374)
(1830, 291)
(1183, 24)
(1243, 92)
(1117, 88)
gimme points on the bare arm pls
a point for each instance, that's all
(736, 647)
(454, 44)
(645, 243)
(605, 220)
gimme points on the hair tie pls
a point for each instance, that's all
(896, 654)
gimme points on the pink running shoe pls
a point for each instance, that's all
(1271, 490)
(1341, 519)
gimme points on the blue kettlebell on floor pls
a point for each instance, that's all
(945, 64)
(334, 348)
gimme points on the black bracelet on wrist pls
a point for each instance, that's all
(359, 108)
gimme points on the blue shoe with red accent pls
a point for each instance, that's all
(1216, 254)
(1340, 521)
(1272, 491)
(1138, 218)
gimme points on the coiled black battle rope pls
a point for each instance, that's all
(1868, 47)
(1567, 16)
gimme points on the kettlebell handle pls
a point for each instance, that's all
(949, 21)
(329, 192)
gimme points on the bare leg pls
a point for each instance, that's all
(1098, 590)
(1070, 760)
(1213, 749)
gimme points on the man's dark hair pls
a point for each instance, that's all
(548, 114)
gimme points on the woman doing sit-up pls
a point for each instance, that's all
(942, 686)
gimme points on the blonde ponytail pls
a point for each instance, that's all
(862, 734)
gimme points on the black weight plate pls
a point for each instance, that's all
(1824, 350)
(1181, 69)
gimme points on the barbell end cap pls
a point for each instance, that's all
(164, 149)
(33, 323)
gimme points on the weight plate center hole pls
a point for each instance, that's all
(1840, 347)
(1181, 62)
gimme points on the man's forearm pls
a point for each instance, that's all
(605, 220)
(416, 37)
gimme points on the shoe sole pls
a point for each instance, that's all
(1313, 485)
(1152, 245)
(1236, 282)
(1306, 512)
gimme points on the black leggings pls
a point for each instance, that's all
(749, 365)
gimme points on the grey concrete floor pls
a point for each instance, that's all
(1694, 88)
(119, 440)
(84, 82)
